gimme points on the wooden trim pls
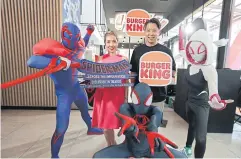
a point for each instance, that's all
(24, 23)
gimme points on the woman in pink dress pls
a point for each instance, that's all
(108, 100)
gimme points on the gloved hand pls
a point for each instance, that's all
(159, 144)
(131, 132)
(68, 62)
(153, 138)
(90, 29)
(218, 104)
(129, 126)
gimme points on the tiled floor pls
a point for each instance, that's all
(27, 134)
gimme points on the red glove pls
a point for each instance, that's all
(217, 104)
(90, 29)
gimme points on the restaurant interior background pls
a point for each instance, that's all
(211, 11)
(212, 14)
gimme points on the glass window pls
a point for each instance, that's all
(233, 59)
(212, 15)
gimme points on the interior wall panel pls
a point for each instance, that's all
(24, 23)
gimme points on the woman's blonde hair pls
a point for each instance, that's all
(110, 33)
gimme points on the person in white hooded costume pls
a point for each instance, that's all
(202, 79)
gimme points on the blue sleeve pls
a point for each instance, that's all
(38, 62)
(86, 39)
(155, 119)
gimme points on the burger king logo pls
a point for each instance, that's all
(135, 20)
(155, 68)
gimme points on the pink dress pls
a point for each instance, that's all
(107, 101)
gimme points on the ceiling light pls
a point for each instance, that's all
(112, 20)
(120, 36)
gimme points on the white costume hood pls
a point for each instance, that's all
(202, 36)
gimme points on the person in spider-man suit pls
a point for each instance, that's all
(67, 87)
(140, 126)
(202, 83)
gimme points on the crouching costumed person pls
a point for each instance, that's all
(140, 122)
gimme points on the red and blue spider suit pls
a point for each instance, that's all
(140, 126)
(67, 87)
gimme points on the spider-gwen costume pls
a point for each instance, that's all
(67, 87)
(140, 126)
(201, 78)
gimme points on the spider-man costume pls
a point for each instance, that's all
(140, 126)
(67, 87)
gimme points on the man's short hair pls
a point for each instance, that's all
(153, 20)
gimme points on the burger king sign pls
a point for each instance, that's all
(155, 68)
(132, 22)
(135, 20)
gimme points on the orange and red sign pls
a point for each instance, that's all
(155, 68)
(135, 20)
